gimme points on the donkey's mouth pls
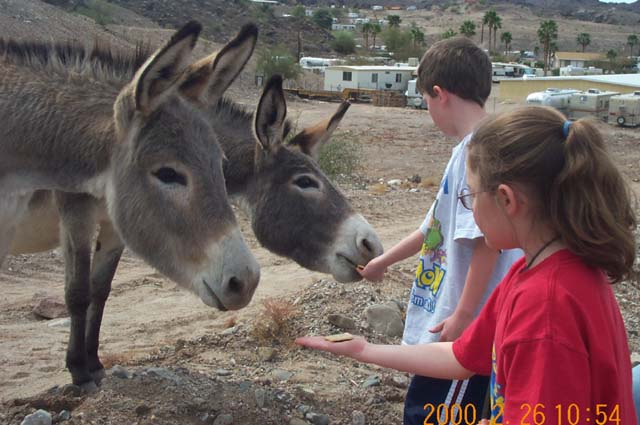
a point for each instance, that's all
(214, 297)
(348, 261)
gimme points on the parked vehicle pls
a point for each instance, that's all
(556, 98)
(414, 97)
(624, 109)
(593, 102)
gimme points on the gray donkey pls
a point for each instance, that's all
(146, 152)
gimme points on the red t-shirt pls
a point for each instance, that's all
(554, 343)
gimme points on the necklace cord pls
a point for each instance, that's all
(540, 252)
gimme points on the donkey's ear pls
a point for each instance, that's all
(163, 68)
(270, 116)
(207, 79)
(312, 138)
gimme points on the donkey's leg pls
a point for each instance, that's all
(106, 256)
(77, 228)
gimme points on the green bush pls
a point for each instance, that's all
(277, 60)
(343, 42)
(100, 11)
(341, 157)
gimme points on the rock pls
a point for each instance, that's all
(260, 396)
(223, 372)
(342, 322)
(51, 308)
(229, 331)
(635, 358)
(282, 375)
(400, 381)
(385, 320)
(40, 417)
(306, 394)
(371, 381)
(60, 323)
(296, 421)
(225, 419)
(266, 354)
(394, 182)
(120, 372)
(357, 418)
(64, 415)
(165, 374)
(303, 408)
(415, 178)
(71, 390)
(142, 410)
(317, 418)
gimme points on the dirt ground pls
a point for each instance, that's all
(189, 364)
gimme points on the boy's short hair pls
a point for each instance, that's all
(458, 66)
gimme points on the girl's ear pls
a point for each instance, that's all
(507, 200)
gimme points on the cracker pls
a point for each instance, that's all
(339, 337)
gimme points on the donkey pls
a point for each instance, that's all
(142, 159)
(295, 210)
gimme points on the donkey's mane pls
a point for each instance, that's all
(101, 61)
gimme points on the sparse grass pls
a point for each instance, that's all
(340, 157)
(275, 323)
(100, 11)
(429, 182)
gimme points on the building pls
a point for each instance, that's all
(517, 90)
(343, 27)
(575, 59)
(337, 78)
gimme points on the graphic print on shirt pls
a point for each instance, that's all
(430, 279)
(497, 393)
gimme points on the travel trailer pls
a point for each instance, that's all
(624, 109)
(556, 98)
(501, 71)
(318, 63)
(414, 97)
(592, 103)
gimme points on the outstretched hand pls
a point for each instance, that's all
(352, 348)
(374, 271)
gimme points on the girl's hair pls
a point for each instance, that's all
(577, 187)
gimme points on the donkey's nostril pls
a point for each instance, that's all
(235, 285)
(367, 245)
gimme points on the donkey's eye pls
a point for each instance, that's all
(306, 182)
(170, 176)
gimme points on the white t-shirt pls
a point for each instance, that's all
(449, 230)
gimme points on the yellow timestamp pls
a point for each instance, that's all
(454, 414)
(571, 414)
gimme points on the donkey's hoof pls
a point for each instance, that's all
(98, 376)
(89, 387)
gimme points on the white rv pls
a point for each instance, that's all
(414, 97)
(556, 98)
(308, 62)
(501, 71)
(624, 109)
(590, 103)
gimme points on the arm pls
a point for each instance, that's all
(483, 261)
(435, 360)
(375, 269)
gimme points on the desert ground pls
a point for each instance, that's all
(180, 362)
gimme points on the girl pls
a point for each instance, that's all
(551, 336)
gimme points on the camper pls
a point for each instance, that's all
(308, 62)
(556, 98)
(624, 109)
(590, 103)
(414, 97)
(501, 71)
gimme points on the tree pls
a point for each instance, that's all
(547, 34)
(323, 18)
(583, 39)
(343, 42)
(299, 12)
(506, 38)
(497, 24)
(485, 21)
(468, 29)
(490, 19)
(632, 41)
(277, 60)
(375, 30)
(396, 39)
(366, 30)
(611, 56)
(394, 20)
(417, 36)
(448, 33)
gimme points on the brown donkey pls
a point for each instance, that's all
(146, 152)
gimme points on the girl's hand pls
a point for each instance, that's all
(352, 348)
(374, 270)
(452, 327)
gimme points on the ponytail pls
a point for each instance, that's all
(567, 169)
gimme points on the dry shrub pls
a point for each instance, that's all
(378, 188)
(429, 182)
(230, 322)
(275, 323)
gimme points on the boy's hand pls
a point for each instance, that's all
(374, 270)
(453, 326)
(350, 348)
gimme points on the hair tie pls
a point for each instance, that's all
(565, 128)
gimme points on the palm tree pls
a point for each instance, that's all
(417, 36)
(468, 29)
(632, 40)
(612, 55)
(497, 24)
(485, 21)
(583, 39)
(449, 33)
(493, 21)
(547, 34)
(394, 20)
(366, 30)
(506, 38)
(375, 30)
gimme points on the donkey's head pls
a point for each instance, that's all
(297, 211)
(166, 192)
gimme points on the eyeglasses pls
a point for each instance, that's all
(466, 197)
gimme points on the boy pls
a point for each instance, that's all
(456, 271)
